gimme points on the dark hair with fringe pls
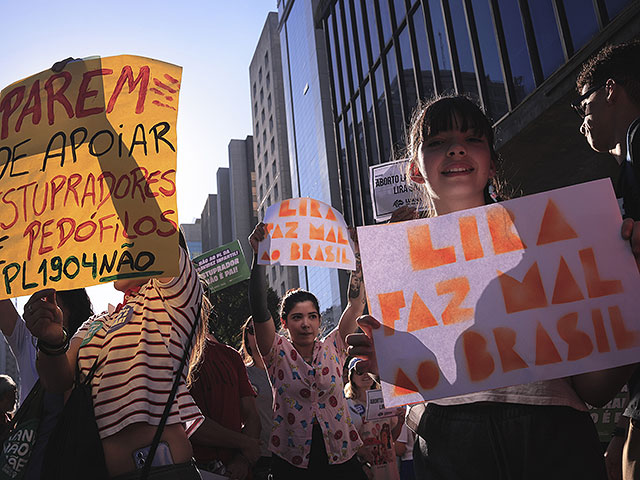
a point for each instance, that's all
(292, 298)
(451, 112)
(619, 62)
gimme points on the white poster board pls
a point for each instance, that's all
(534, 288)
(306, 232)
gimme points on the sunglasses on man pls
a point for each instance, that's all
(581, 108)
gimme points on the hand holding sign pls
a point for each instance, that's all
(305, 232)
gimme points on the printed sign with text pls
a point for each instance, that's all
(534, 288)
(390, 188)
(223, 266)
(375, 407)
(88, 175)
(307, 232)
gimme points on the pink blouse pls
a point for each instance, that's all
(303, 392)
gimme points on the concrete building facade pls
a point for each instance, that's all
(270, 144)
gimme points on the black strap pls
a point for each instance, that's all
(156, 438)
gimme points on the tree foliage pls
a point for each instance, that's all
(231, 309)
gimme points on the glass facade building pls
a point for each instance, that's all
(384, 55)
(312, 157)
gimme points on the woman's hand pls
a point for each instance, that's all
(403, 214)
(361, 345)
(259, 234)
(43, 317)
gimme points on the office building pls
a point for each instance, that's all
(209, 223)
(518, 58)
(224, 206)
(270, 145)
(244, 203)
(193, 236)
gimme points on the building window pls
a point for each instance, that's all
(266, 60)
(260, 172)
(282, 289)
(264, 136)
(273, 145)
(268, 80)
(254, 89)
(266, 180)
(260, 74)
(274, 169)
(261, 95)
(266, 158)
(271, 124)
(261, 192)
(276, 195)
(269, 102)
(255, 108)
(262, 115)
(257, 148)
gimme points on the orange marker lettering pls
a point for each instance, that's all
(525, 295)
(622, 336)
(480, 363)
(291, 232)
(390, 305)
(452, 313)
(580, 345)
(419, 316)
(595, 286)
(285, 211)
(316, 233)
(602, 340)
(505, 341)
(501, 228)
(421, 251)
(546, 351)
(471, 245)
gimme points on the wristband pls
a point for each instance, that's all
(55, 350)
(619, 432)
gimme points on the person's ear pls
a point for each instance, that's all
(414, 173)
(611, 90)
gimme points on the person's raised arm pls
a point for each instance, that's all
(262, 321)
(356, 295)
(8, 317)
(57, 356)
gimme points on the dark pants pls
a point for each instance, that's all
(178, 471)
(319, 467)
(501, 441)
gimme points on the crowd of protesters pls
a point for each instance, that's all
(170, 401)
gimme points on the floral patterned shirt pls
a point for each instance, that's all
(304, 392)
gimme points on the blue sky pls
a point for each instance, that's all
(212, 40)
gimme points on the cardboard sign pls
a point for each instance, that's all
(307, 232)
(390, 188)
(87, 175)
(375, 407)
(534, 288)
(223, 266)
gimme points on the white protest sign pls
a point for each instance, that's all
(534, 288)
(307, 232)
(376, 410)
(390, 188)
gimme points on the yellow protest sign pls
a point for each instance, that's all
(87, 175)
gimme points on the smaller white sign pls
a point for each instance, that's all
(391, 188)
(375, 407)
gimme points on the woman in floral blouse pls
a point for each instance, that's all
(313, 433)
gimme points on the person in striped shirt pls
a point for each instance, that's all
(138, 348)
